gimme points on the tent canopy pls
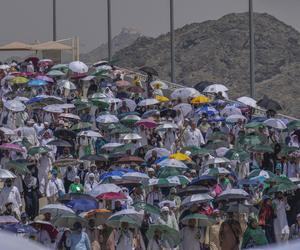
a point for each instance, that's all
(15, 46)
(19, 46)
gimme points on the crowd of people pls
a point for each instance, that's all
(101, 158)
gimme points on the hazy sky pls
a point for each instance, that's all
(29, 20)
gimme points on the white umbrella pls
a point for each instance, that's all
(21, 99)
(107, 119)
(135, 176)
(104, 188)
(229, 110)
(78, 67)
(185, 93)
(98, 95)
(66, 84)
(111, 145)
(56, 210)
(215, 88)
(234, 193)
(247, 101)
(131, 212)
(221, 151)
(148, 102)
(53, 108)
(235, 118)
(111, 100)
(129, 103)
(88, 78)
(161, 152)
(6, 174)
(15, 106)
(7, 131)
(69, 116)
(275, 123)
(65, 105)
(185, 108)
(196, 199)
(172, 163)
(160, 84)
(218, 170)
(132, 136)
(217, 160)
(90, 133)
(166, 126)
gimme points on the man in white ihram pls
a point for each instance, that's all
(193, 136)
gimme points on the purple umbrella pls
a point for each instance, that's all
(11, 146)
(45, 78)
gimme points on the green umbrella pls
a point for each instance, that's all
(81, 126)
(237, 154)
(259, 172)
(279, 180)
(146, 207)
(101, 73)
(213, 145)
(20, 167)
(251, 140)
(202, 219)
(117, 220)
(38, 150)
(218, 136)
(59, 67)
(254, 125)
(195, 150)
(167, 172)
(123, 148)
(167, 233)
(55, 73)
(170, 181)
(262, 148)
(99, 103)
(130, 120)
(285, 150)
(283, 187)
(293, 125)
(68, 221)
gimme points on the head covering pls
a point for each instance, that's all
(91, 175)
(164, 209)
(150, 170)
(298, 216)
(54, 172)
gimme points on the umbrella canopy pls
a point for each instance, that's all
(135, 177)
(170, 181)
(37, 83)
(100, 216)
(171, 163)
(202, 99)
(204, 180)
(180, 157)
(13, 147)
(82, 205)
(78, 67)
(146, 123)
(283, 187)
(19, 167)
(112, 196)
(59, 143)
(261, 148)
(7, 131)
(81, 126)
(167, 233)
(217, 160)
(68, 221)
(55, 73)
(235, 118)
(107, 119)
(269, 104)
(230, 110)
(66, 162)
(160, 152)
(90, 133)
(148, 102)
(135, 89)
(53, 108)
(216, 171)
(202, 220)
(166, 126)
(47, 226)
(65, 134)
(263, 173)
(157, 84)
(66, 84)
(69, 116)
(194, 150)
(15, 106)
(149, 70)
(185, 93)
(196, 199)
(18, 228)
(210, 111)
(130, 159)
(132, 136)
(129, 103)
(131, 213)
(45, 78)
(130, 119)
(233, 194)
(8, 219)
(104, 188)
(215, 88)
(146, 208)
(247, 101)
(275, 123)
(56, 210)
(116, 221)
(38, 150)
(185, 108)
(19, 80)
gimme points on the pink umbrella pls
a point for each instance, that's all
(10, 146)
(147, 123)
(111, 196)
(24, 74)
(45, 78)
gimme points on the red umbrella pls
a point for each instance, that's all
(47, 226)
(112, 196)
(78, 75)
(130, 159)
(147, 123)
(11, 146)
(122, 83)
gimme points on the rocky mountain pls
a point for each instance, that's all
(218, 51)
(125, 38)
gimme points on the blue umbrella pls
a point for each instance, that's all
(36, 83)
(217, 119)
(19, 228)
(201, 180)
(161, 159)
(150, 113)
(258, 119)
(35, 99)
(82, 205)
(210, 111)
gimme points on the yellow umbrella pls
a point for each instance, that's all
(19, 80)
(200, 100)
(180, 157)
(161, 98)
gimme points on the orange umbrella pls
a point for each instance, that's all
(99, 215)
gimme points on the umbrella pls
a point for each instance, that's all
(104, 188)
(38, 150)
(269, 104)
(135, 89)
(135, 177)
(69, 116)
(150, 113)
(14, 105)
(8, 219)
(237, 154)
(130, 159)
(20, 167)
(263, 173)
(149, 70)
(283, 187)
(148, 102)
(19, 80)
(204, 180)
(230, 110)
(112, 196)
(215, 88)
(66, 162)
(45, 62)
(196, 199)
(82, 205)
(202, 220)
(275, 123)
(252, 140)
(68, 221)
(216, 171)
(107, 119)
(293, 125)
(78, 67)
(235, 118)
(132, 136)
(247, 101)
(180, 157)
(170, 181)
(162, 98)
(202, 99)
(171, 163)
(90, 133)
(159, 84)
(19, 228)
(111, 100)
(202, 85)
(166, 126)
(56, 210)
(47, 226)
(81, 126)
(261, 148)
(254, 125)
(65, 134)
(55, 73)
(37, 83)
(60, 66)
(210, 111)
(194, 150)
(240, 208)
(161, 152)
(45, 78)
(111, 145)
(11, 146)
(130, 119)
(185, 108)
(146, 207)
(102, 158)
(146, 123)
(185, 93)
(66, 84)
(126, 215)
(167, 233)
(53, 108)
(233, 194)
(7, 131)
(100, 216)
(129, 103)
(59, 143)
(217, 160)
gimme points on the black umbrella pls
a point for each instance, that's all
(60, 143)
(94, 158)
(65, 134)
(269, 104)
(168, 112)
(202, 85)
(149, 71)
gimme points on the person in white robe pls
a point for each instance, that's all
(193, 136)
(90, 183)
(30, 133)
(281, 227)
(190, 236)
(44, 166)
(170, 138)
(10, 193)
(157, 243)
(121, 239)
(55, 188)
